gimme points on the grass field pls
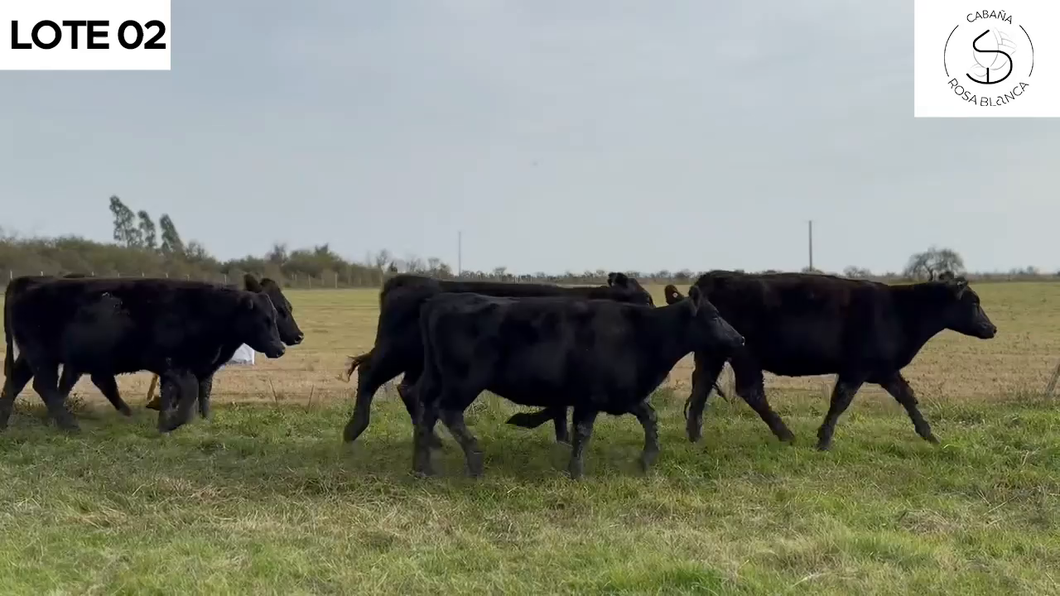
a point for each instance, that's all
(266, 498)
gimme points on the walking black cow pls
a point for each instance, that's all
(399, 349)
(180, 330)
(801, 324)
(290, 334)
(594, 355)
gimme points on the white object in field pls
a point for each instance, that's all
(244, 354)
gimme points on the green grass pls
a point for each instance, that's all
(266, 498)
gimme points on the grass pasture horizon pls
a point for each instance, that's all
(265, 497)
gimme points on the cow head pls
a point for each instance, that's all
(961, 311)
(289, 331)
(709, 330)
(630, 287)
(255, 323)
(672, 295)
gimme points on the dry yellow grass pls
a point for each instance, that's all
(338, 323)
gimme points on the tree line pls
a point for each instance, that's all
(142, 248)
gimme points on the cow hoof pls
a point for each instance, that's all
(169, 425)
(787, 437)
(824, 446)
(646, 461)
(352, 431)
(694, 435)
(522, 420)
(931, 439)
(474, 464)
(66, 422)
(563, 440)
(125, 411)
(423, 471)
(154, 404)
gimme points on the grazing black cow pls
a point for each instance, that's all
(399, 349)
(800, 324)
(594, 355)
(180, 330)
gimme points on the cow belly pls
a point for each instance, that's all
(532, 394)
(798, 363)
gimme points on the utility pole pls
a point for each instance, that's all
(811, 244)
(459, 252)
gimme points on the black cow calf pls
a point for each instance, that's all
(180, 330)
(808, 324)
(594, 355)
(399, 348)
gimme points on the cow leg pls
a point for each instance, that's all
(583, 430)
(109, 386)
(650, 421)
(45, 383)
(558, 416)
(750, 385)
(67, 380)
(174, 384)
(412, 405)
(704, 376)
(454, 421)
(382, 366)
(421, 448)
(899, 388)
(842, 395)
(16, 374)
(154, 401)
(559, 422)
(205, 388)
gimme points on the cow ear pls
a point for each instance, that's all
(619, 280)
(694, 296)
(611, 278)
(672, 295)
(251, 283)
(960, 285)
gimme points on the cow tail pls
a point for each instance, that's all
(352, 362)
(720, 392)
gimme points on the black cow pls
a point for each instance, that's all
(290, 334)
(801, 324)
(180, 330)
(399, 349)
(108, 386)
(594, 355)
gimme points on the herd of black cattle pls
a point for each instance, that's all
(593, 349)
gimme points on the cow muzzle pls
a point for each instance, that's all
(987, 331)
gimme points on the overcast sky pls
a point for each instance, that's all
(556, 134)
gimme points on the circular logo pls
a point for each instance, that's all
(989, 59)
